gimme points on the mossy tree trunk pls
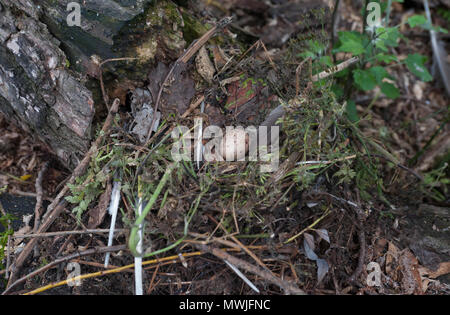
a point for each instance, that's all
(47, 68)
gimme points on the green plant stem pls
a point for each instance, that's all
(388, 12)
(165, 249)
(134, 239)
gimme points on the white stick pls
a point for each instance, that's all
(241, 275)
(138, 260)
(113, 207)
(335, 69)
(199, 144)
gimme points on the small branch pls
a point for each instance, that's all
(64, 233)
(287, 287)
(242, 276)
(242, 246)
(308, 227)
(39, 194)
(171, 259)
(14, 191)
(336, 69)
(297, 76)
(327, 162)
(362, 247)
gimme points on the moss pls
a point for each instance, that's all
(161, 22)
(193, 29)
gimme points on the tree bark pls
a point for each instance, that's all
(46, 66)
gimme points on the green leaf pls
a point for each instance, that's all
(379, 73)
(326, 60)
(416, 64)
(415, 20)
(385, 58)
(315, 49)
(351, 42)
(73, 199)
(364, 79)
(422, 21)
(389, 90)
(351, 111)
(387, 37)
(337, 90)
(307, 54)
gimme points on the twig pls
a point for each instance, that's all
(430, 141)
(417, 175)
(159, 261)
(297, 76)
(28, 194)
(91, 251)
(20, 260)
(39, 193)
(64, 233)
(308, 227)
(242, 246)
(174, 259)
(151, 287)
(362, 246)
(56, 207)
(327, 162)
(242, 276)
(193, 106)
(334, 70)
(208, 239)
(288, 287)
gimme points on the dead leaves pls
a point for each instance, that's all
(410, 276)
(177, 94)
(403, 271)
(309, 247)
(97, 214)
(204, 65)
(141, 106)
